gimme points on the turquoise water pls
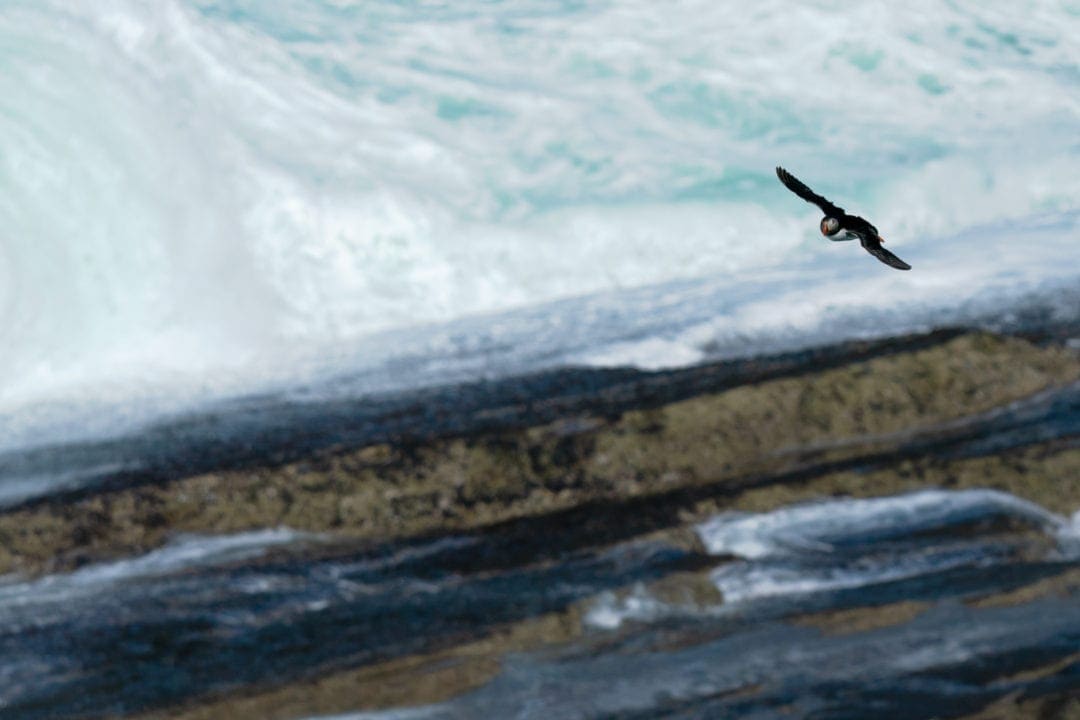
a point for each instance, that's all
(207, 198)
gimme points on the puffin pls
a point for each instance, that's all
(836, 220)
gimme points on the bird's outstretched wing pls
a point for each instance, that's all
(799, 188)
(873, 246)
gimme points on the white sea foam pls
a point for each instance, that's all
(791, 550)
(740, 582)
(837, 545)
(610, 610)
(203, 197)
(183, 553)
(1069, 537)
(817, 527)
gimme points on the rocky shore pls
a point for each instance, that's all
(864, 427)
(948, 410)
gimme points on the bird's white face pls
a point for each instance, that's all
(829, 226)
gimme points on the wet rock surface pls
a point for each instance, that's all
(424, 561)
(945, 396)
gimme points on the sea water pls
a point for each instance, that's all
(205, 198)
(198, 614)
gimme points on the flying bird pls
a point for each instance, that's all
(836, 220)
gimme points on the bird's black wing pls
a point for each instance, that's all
(860, 226)
(799, 188)
(873, 246)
